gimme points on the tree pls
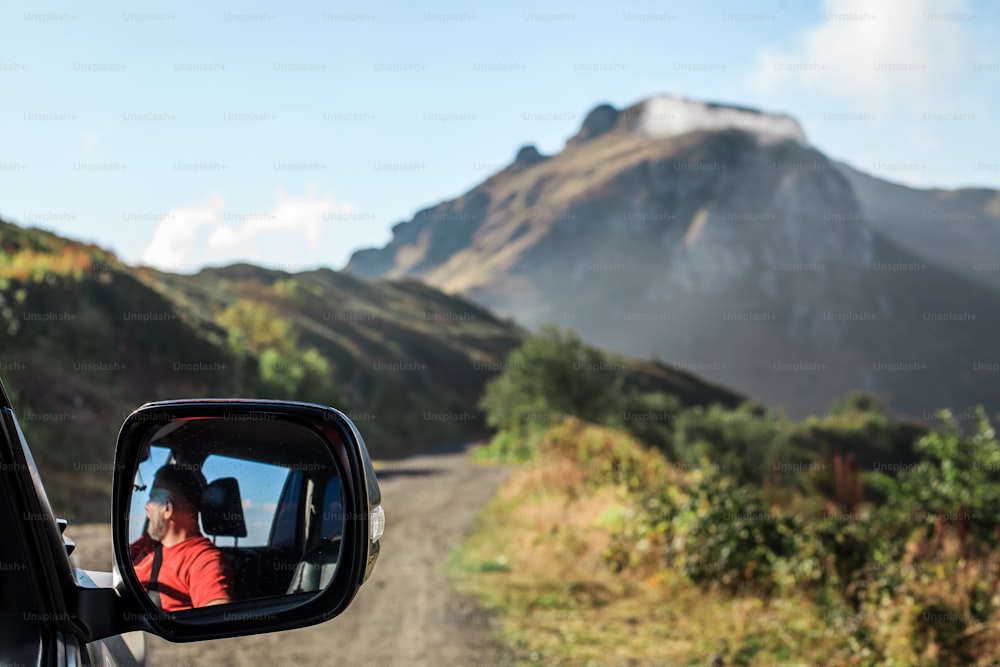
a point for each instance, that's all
(858, 401)
(286, 371)
(553, 375)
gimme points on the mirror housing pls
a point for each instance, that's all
(363, 520)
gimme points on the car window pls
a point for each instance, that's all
(260, 487)
(333, 510)
(286, 527)
(158, 457)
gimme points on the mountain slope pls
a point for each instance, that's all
(84, 339)
(727, 245)
(958, 229)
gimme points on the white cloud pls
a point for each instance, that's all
(175, 242)
(305, 217)
(290, 235)
(874, 51)
(260, 506)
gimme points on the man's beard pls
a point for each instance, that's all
(157, 527)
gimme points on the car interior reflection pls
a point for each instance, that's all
(234, 515)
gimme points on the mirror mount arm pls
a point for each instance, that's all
(105, 612)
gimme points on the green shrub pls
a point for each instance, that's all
(726, 535)
(957, 478)
(859, 426)
(513, 445)
(650, 417)
(552, 375)
(743, 442)
(856, 553)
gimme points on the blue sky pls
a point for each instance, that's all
(185, 134)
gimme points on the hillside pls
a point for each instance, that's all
(717, 238)
(958, 229)
(85, 339)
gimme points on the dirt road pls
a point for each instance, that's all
(404, 615)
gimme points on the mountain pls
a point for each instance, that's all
(958, 229)
(717, 238)
(85, 339)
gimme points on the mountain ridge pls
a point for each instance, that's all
(650, 244)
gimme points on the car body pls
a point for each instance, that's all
(297, 572)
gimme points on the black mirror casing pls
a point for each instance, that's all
(359, 550)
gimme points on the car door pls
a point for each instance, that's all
(53, 614)
(36, 570)
(25, 637)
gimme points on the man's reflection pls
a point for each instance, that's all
(178, 566)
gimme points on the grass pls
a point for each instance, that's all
(545, 556)
(534, 558)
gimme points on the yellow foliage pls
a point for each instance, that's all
(257, 326)
(605, 455)
(32, 265)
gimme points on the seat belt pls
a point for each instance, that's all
(154, 586)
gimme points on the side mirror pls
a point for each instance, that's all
(236, 517)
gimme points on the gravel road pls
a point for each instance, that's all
(404, 615)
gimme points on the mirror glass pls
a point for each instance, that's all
(225, 509)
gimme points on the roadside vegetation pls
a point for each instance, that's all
(637, 531)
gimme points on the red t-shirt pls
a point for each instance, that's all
(192, 574)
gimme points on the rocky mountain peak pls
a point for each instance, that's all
(665, 116)
(527, 156)
(602, 118)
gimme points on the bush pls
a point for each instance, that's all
(859, 425)
(285, 370)
(956, 480)
(552, 375)
(857, 554)
(743, 442)
(650, 417)
(725, 535)
(513, 445)
(299, 375)
(605, 455)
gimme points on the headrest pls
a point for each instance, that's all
(222, 509)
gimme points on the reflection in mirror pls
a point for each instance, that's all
(228, 509)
